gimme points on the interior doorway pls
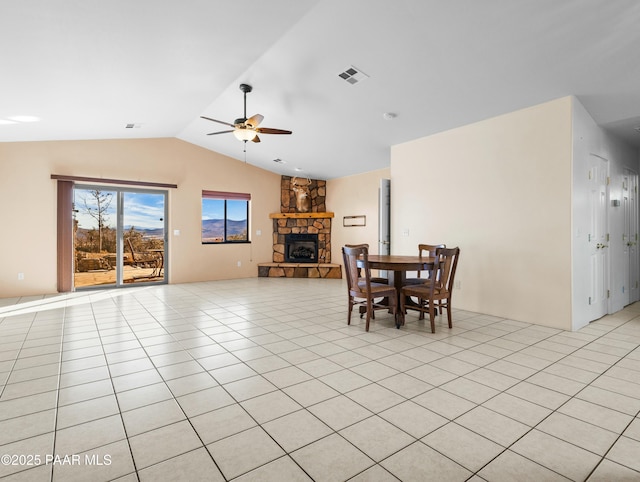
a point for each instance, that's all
(384, 220)
(598, 237)
(119, 236)
(630, 236)
(384, 217)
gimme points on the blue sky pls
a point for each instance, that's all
(142, 210)
(214, 209)
(145, 210)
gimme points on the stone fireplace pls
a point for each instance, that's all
(301, 240)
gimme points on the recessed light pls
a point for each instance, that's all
(637, 128)
(389, 116)
(297, 169)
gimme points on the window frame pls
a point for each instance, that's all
(226, 196)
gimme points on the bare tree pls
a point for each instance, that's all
(100, 202)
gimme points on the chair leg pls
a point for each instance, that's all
(350, 308)
(432, 316)
(369, 310)
(448, 306)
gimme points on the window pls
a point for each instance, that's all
(225, 217)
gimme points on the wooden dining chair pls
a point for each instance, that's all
(436, 293)
(425, 250)
(361, 290)
(374, 279)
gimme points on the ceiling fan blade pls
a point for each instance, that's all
(218, 121)
(220, 132)
(268, 130)
(254, 120)
(255, 139)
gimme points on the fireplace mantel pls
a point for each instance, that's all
(324, 215)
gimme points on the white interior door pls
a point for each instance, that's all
(384, 217)
(384, 220)
(630, 236)
(626, 238)
(598, 237)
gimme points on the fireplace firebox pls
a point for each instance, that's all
(301, 248)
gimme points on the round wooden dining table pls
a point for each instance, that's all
(398, 265)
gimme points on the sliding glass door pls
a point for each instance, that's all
(119, 236)
(95, 236)
(143, 236)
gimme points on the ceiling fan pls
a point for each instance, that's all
(246, 129)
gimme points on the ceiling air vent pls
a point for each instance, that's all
(133, 126)
(353, 75)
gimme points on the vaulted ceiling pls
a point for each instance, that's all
(142, 69)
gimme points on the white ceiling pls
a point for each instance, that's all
(87, 68)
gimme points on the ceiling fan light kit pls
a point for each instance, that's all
(246, 129)
(244, 134)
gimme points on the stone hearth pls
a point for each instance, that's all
(299, 270)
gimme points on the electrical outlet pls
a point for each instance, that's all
(20, 276)
(258, 232)
(458, 286)
(405, 232)
(239, 263)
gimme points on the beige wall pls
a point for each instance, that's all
(500, 190)
(28, 205)
(353, 196)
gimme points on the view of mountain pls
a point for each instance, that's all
(211, 228)
(147, 232)
(151, 233)
(214, 228)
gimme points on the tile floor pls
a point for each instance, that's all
(262, 380)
